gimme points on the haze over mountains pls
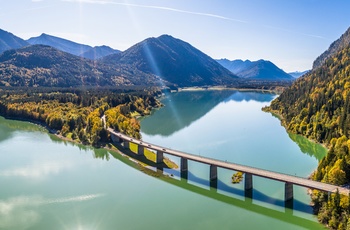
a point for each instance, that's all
(164, 60)
(298, 74)
(261, 69)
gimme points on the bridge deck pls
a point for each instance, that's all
(237, 167)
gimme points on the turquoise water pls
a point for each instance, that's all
(47, 183)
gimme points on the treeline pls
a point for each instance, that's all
(318, 107)
(80, 115)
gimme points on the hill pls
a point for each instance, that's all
(175, 61)
(98, 52)
(318, 106)
(9, 41)
(40, 65)
(334, 48)
(260, 70)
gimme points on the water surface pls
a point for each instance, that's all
(47, 183)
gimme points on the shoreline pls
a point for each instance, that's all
(104, 145)
(283, 124)
(199, 88)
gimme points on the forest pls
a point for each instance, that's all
(76, 114)
(317, 106)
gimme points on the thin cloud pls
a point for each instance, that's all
(158, 8)
(37, 171)
(295, 32)
(21, 212)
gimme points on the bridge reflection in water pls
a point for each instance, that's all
(288, 180)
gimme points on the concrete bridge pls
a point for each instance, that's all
(289, 180)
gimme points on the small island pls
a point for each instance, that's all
(237, 177)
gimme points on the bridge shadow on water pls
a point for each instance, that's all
(221, 191)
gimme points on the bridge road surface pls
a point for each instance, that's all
(237, 167)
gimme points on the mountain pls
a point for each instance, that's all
(334, 48)
(175, 61)
(298, 74)
(9, 41)
(235, 66)
(317, 106)
(40, 65)
(60, 44)
(98, 52)
(261, 69)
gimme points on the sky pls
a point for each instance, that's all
(290, 33)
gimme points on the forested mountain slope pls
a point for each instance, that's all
(318, 106)
(334, 48)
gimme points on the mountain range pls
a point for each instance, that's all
(180, 64)
(261, 69)
(40, 65)
(163, 60)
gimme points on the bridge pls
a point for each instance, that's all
(289, 180)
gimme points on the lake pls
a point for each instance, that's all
(47, 183)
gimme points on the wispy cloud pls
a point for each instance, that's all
(20, 212)
(295, 32)
(102, 2)
(37, 171)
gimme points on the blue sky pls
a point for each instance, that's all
(290, 33)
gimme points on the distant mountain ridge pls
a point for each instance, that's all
(261, 69)
(71, 47)
(165, 61)
(334, 48)
(9, 41)
(59, 43)
(298, 74)
(175, 61)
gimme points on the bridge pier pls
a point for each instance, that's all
(213, 172)
(248, 181)
(126, 144)
(140, 150)
(184, 157)
(183, 165)
(159, 157)
(288, 191)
